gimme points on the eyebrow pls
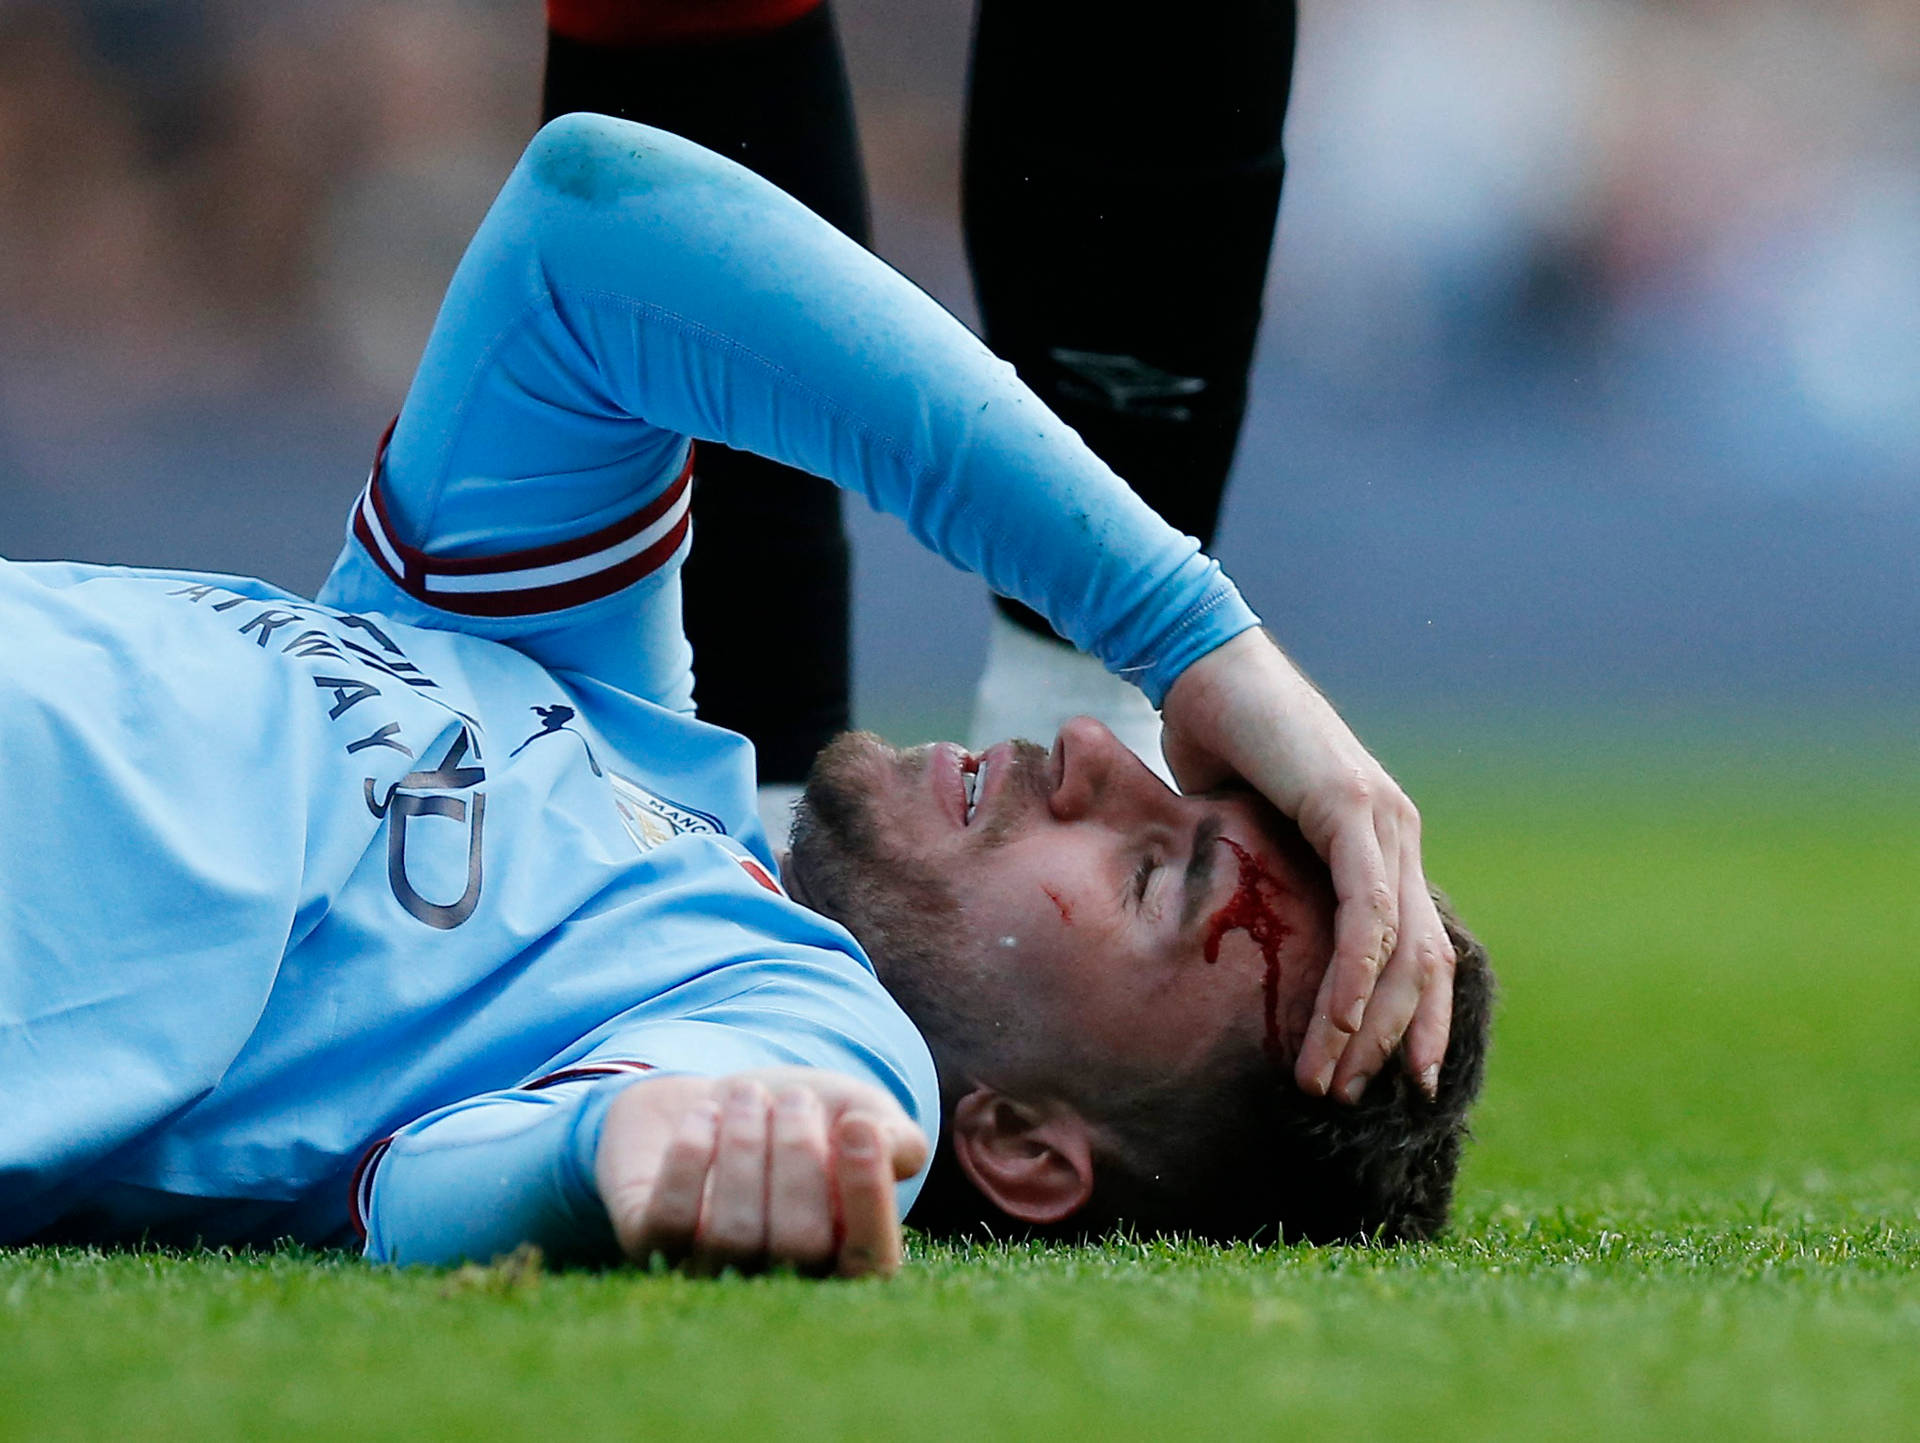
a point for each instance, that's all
(1200, 861)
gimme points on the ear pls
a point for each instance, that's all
(1033, 1163)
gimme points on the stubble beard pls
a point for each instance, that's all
(843, 866)
(905, 914)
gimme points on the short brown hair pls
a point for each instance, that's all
(1244, 1155)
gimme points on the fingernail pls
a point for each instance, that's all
(1351, 1023)
(1322, 1080)
(1351, 1092)
(1430, 1081)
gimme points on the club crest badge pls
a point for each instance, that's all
(651, 819)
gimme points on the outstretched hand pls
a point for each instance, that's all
(783, 1166)
(1245, 710)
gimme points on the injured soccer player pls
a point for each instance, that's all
(427, 912)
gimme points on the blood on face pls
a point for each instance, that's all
(1251, 910)
(1061, 904)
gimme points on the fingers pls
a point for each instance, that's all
(905, 1146)
(1417, 984)
(1370, 1003)
(863, 1177)
(799, 1195)
(633, 1149)
(743, 1177)
(733, 1225)
(1245, 707)
(1432, 1025)
(1365, 923)
(671, 1215)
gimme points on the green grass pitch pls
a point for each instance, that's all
(1693, 1211)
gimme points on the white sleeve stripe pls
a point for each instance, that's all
(379, 533)
(539, 576)
(538, 579)
(360, 1189)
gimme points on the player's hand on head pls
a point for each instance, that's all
(1245, 710)
(778, 1167)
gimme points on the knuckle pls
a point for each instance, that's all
(744, 1098)
(1368, 1054)
(797, 1147)
(1356, 987)
(795, 1101)
(1368, 966)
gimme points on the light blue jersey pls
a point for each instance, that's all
(412, 879)
(300, 878)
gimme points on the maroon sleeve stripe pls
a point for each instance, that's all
(360, 1190)
(609, 1067)
(670, 22)
(535, 580)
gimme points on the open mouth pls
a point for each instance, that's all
(973, 778)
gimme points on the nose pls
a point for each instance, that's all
(1096, 773)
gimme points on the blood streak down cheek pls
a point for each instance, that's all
(1250, 909)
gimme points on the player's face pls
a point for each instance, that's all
(1151, 924)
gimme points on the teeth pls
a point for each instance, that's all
(976, 779)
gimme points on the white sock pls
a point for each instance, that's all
(1031, 684)
(776, 801)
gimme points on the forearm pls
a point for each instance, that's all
(481, 1178)
(646, 291)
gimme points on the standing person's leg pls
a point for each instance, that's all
(761, 82)
(1123, 171)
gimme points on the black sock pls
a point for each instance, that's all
(1122, 181)
(776, 101)
(766, 585)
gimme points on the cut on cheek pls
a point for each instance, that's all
(1061, 905)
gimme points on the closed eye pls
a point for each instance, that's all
(1142, 875)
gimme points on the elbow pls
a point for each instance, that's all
(587, 158)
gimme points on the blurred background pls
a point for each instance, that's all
(1582, 470)
(1589, 385)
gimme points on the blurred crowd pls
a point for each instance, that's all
(193, 189)
(1716, 198)
(1723, 194)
